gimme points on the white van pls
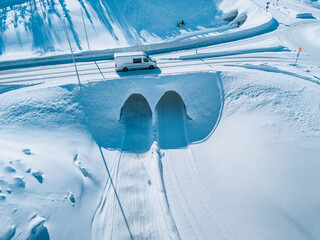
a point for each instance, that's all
(133, 60)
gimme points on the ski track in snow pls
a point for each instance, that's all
(139, 185)
(134, 207)
(200, 218)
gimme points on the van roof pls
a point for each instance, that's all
(128, 54)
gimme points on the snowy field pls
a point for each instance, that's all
(221, 141)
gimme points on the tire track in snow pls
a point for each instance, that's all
(89, 72)
(192, 207)
(99, 223)
(193, 210)
(109, 73)
(139, 206)
(138, 182)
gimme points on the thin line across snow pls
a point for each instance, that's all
(116, 194)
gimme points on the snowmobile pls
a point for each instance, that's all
(182, 24)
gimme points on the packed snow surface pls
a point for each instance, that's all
(221, 141)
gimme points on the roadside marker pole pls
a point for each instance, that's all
(297, 59)
(298, 55)
(74, 61)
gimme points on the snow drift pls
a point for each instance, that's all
(117, 121)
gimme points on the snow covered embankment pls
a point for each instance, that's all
(38, 165)
(135, 202)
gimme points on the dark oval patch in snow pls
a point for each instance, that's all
(9, 169)
(305, 16)
(37, 230)
(171, 116)
(38, 175)
(230, 16)
(136, 115)
(240, 20)
(27, 151)
(2, 197)
(19, 182)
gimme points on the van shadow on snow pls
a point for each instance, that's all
(155, 71)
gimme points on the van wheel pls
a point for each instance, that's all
(151, 67)
(125, 69)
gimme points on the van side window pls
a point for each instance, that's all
(145, 60)
(137, 60)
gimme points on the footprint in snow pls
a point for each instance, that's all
(18, 182)
(8, 232)
(27, 151)
(71, 198)
(9, 169)
(2, 198)
(78, 164)
(38, 175)
(37, 230)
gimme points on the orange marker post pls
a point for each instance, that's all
(300, 49)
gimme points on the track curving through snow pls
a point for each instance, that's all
(134, 203)
(194, 211)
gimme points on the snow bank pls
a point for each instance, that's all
(111, 117)
(261, 164)
(37, 168)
